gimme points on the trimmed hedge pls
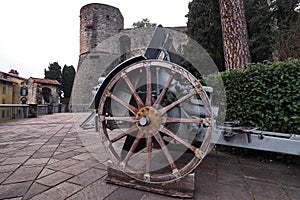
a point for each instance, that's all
(265, 95)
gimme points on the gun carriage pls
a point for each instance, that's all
(157, 123)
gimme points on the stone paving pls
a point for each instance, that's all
(49, 157)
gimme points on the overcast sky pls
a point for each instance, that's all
(35, 33)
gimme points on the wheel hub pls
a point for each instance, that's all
(148, 119)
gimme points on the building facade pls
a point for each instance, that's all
(6, 89)
(13, 88)
(17, 92)
(43, 91)
(6, 95)
(20, 90)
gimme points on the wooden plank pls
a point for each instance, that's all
(182, 188)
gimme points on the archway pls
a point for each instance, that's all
(46, 93)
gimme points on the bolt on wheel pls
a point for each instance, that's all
(148, 113)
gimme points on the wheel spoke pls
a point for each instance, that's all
(185, 120)
(133, 147)
(127, 132)
(149, 152)
(163, 92)
(149, 89)
(123, 103)
(125, 119)
(133, 91)
(174, 136)
(165, 149)
(175, 103)
(206, 104)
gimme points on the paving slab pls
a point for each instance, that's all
(267, 189)
(37, 161)
(286, 178)
(50, 157)
(24, 173)
(80, 167)
(45, 172)
(14, 190)
(88, 177)
(206, 186)
(38, 155)
(9, 168)
(95, 191)
(293, 193)
(83, 156)
(35, 189)
(62, 164)
(61, 191)
(14, 160)
(54, 178)
(4, 176)
(65, 155)
(124, 193)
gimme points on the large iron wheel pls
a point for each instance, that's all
(142, 121)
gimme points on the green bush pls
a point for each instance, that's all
(265, 95)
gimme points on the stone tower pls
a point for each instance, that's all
(98, 22)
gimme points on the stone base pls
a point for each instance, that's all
(182, 188)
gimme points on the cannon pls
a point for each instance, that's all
(156, 120)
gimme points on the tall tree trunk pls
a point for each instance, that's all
(235, 36)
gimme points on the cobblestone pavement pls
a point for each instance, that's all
(50, 158)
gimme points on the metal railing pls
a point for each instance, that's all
(10, 112)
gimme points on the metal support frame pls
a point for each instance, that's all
(256, 139)
(90, 122)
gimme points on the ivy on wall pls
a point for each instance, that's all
(265, 95)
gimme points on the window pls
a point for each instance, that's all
(3, 113)
(24, 83)
(3, 90)
(3, 101)
(3, 76)
(24, 91)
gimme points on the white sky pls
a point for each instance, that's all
(35, 33)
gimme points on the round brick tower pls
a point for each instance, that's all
(97, 23)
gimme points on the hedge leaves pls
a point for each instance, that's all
(265, 95)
